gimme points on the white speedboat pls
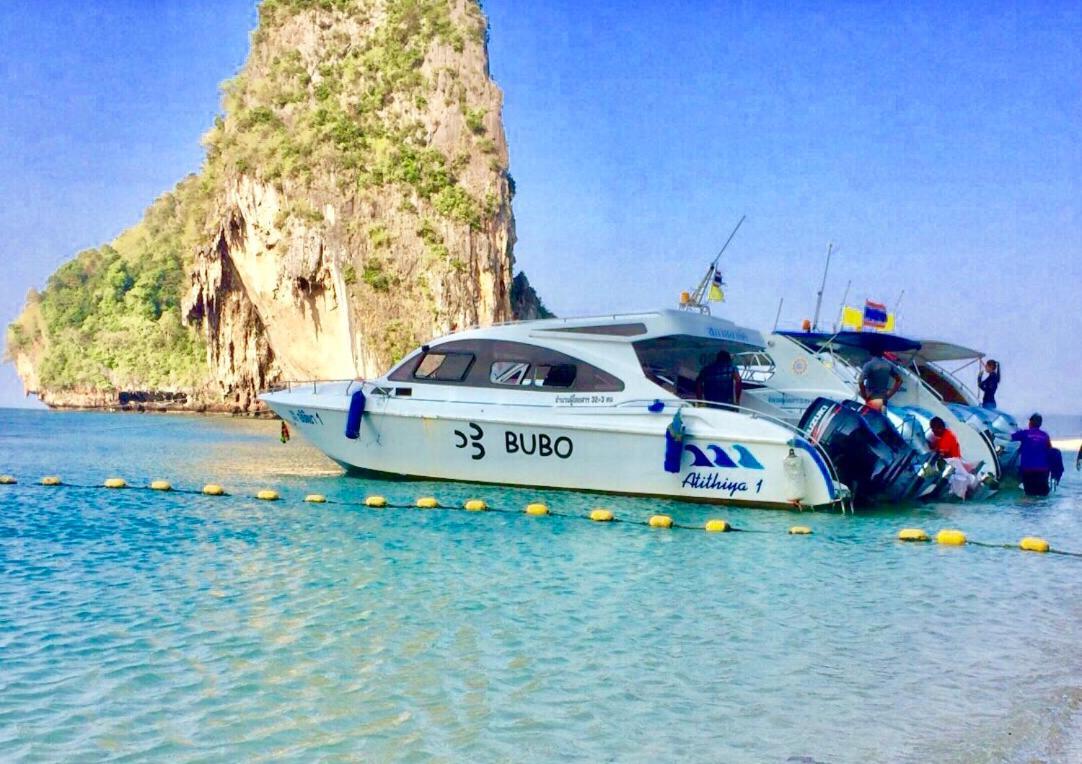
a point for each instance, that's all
(796, 368)
(596, 404)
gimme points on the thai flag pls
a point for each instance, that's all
(875, 314)
(717, 294)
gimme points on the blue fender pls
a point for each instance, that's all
(353, 419)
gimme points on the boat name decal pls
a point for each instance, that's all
(541, 444)
(711, 481)
(789, 401)
(728, 334)
(300, 416)
(579, 400)
(474, 439)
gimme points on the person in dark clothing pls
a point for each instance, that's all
(719, 381)
(1033, 457)
(989, 384)
(879, 381)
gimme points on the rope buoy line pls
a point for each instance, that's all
(945, 537)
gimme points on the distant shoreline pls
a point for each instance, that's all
(209, 412)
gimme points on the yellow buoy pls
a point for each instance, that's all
(660, 521)
(7, 480)
(315, 498)
(267, 495)
(1034, 544)
(912, 534)
(475, 505)
(50, 480)
(115, 483)
(601, 515)
(375, 501)
(427, 502)
(213, 489)
(537, 509)
(800, 530)
(717, 526)
(161, 485)
(950, 537)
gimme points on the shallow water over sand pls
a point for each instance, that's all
(185, 627)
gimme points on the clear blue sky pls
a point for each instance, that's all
(937, 144)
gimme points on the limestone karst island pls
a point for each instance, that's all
(354, 201)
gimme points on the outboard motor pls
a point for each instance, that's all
(903, 432)
(864, 462)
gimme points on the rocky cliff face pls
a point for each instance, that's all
(354, 202)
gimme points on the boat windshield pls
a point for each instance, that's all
(674, 361)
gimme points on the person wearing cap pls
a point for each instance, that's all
(1033, 457)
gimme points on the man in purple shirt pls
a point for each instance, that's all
(1033, 453)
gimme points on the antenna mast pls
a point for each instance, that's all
(822, 286)
(898, 308)
(695, 302)
(841, 308)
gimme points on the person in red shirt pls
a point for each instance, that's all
(943, 441)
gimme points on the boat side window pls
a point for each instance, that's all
(443, 367)
(509, 373)
(534, 367)
(502, 363)
(556, 375)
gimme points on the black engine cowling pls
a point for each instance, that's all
(868, 453)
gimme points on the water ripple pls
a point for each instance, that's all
(140, 626)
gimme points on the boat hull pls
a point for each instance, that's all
(604, 451)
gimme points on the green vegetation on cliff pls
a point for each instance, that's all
(110, 319)
(354, 113)
(337, 107)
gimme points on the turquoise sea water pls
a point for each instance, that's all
(146, 626)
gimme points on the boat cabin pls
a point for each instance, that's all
(608, 354)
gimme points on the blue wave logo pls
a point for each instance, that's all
(745, 458)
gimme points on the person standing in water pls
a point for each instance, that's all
(1033, 457)
(989, 384)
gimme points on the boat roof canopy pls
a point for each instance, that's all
(853, 345)
(935, 351)
(632, 327)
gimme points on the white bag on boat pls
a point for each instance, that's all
(962, 482)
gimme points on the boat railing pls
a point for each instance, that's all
(310, 385)
(691, 403)
(952, 376)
